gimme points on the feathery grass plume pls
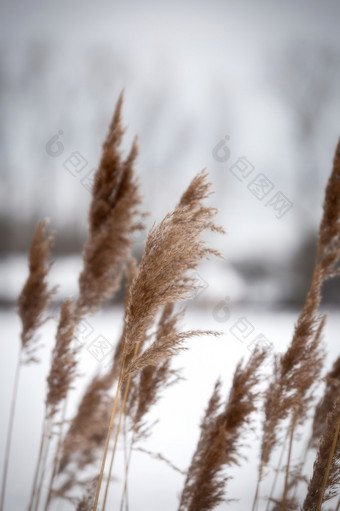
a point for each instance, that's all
(32, 304)
(85, 437)
(219, 445)
(35, 295)
(63, 364)
(300, 403)
(296, 372)
(172, 249)
(325, 481)
(87, 431)
(276, 411)
(328, 249)
(60, 378)
(113, 218)
(299, 368)
(325, 404)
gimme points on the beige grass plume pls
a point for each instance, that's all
(59, 380)
(173, 249)
(87, 431)
(35, 295)
(114, 215)
(325, 481)
(325, 404)
(63, 364)
(219, 445)
(299, 368)
(32, 305)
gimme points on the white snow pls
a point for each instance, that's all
(152, 485)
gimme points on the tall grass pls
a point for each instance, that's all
(115, 405)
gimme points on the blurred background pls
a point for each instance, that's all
(248, 89)
(264, 75)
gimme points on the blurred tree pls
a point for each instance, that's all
(306, 77)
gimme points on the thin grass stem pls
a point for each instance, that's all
(43, 463)
(121, 413)
(328, 468)
(277, 471)
(10, 431)
(291, 439)
(108, 436)
(56, 456)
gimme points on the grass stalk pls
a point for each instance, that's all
(108, 436)
(56, 456)
(127, 466)
(330, 459)
(121, 413)
(259, 478)
(10, 431)
(291, 439)
(37, 467)
(277, 471)
(43, 462)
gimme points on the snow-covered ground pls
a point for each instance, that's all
(215, 281)
(152, 484)
(212, 280)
